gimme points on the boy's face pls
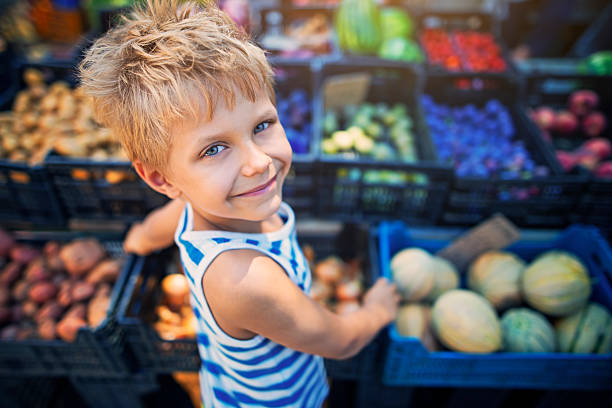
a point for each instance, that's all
(232, 167)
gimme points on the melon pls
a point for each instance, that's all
(587, 331)
(446, 278)
(413, 271)
(556, 284)
(496, 275)
(465, 321)
(414, 320)
(527, 331)
(357, 25)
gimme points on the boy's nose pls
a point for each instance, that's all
(256, 161)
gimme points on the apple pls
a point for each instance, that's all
(565, 122)
(594, 123)
(587, 160)
(544, 117)
(566, 159)
(600, 147)
(583, 101)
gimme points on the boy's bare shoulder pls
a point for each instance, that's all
(244, 271)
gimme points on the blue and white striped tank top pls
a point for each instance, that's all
(254, 372)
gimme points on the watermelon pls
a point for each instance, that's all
(402, 49)
(357, 24)
(527, 331)
(587, 331)
(395, 23)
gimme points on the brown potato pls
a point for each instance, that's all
(47, 329)
(64, 297)
(23, 254)
(30, 309)
(68, 146)
(36, 271)
(41, 292)
(96, 310)
(21, 290)
(82, 291)
(10, 274)
(50, 310)
(81, 255)
(68, 328)
(105, 271)
(32, 77)
(78, 310)
(22, 102)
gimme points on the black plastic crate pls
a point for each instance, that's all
(101, 190)
(546, 87)
(358, 189)
(119, 392)
(143, 293)
(27, 196)
(540, 201)
(96, 352)
(478, 21)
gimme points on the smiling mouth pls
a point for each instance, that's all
(260, 189)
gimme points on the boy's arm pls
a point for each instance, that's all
(250, 293)
(156, 231)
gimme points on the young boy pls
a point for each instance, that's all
(193, 102)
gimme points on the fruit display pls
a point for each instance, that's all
(50, 291)
(175, 317)
(480, 142)
(589, 330)
(414, 320)
(527, 331)
(557, 284)
(46, 117)
(414, 272)
(336, 284)
(398, 36)
(302, 37)
(378, 131)
(446, 278)
(358, 26)
(496, 276)
(295, 114)
(462, 51)
(465, 321)
(576, 131)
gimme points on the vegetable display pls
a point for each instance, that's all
(51, 291)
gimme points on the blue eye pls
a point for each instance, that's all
(214, 150)
(262, 126)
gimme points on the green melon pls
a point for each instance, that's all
(446, 278)
(587, 331)
(413, 270)
(527, 331)
(556, 284)
(496, 275)
(358, 26)
(465, 321)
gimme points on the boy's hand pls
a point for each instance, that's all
(383, 299)
(136, 241)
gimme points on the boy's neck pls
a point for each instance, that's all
(208, 222)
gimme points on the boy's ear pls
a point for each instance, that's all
(156, 180)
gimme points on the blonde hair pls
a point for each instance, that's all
(145, 74)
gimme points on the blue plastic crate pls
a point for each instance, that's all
(407, 362)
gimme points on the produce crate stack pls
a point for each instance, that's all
(574, 113)
(60, 292)
(375, 157)
(500, 163)
(160, 332)
(537, 280)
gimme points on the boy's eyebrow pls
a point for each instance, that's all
(266, 114)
